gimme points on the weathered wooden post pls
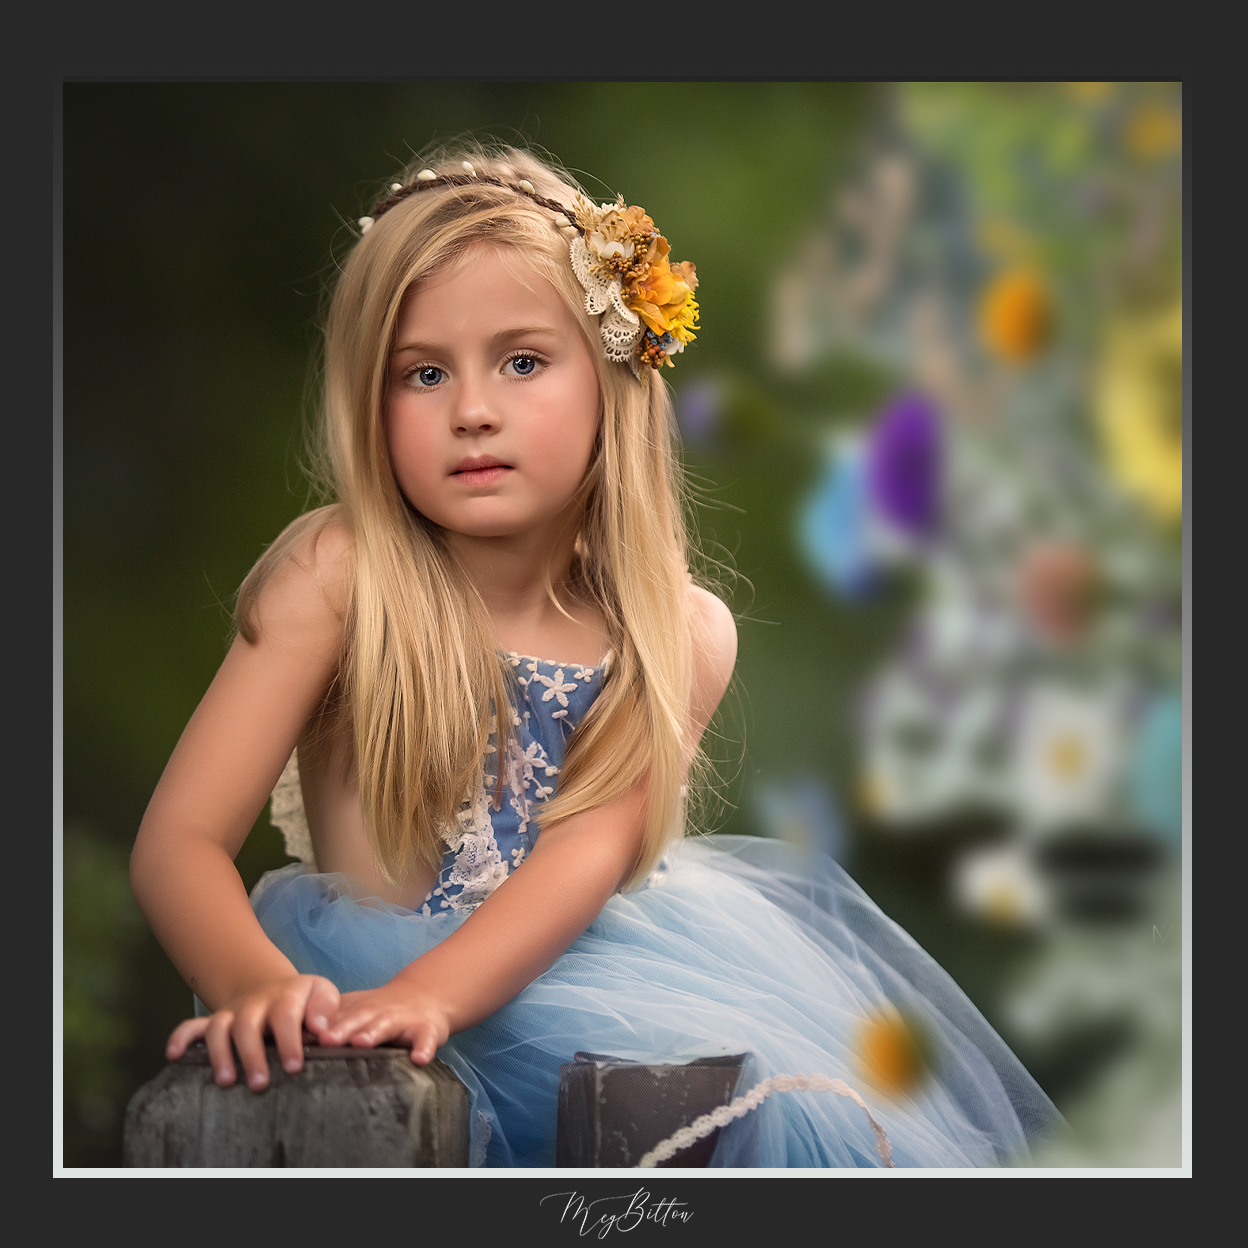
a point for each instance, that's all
(347, 1107)
(612, 1111)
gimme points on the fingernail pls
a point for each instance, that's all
(292, 1064)
(257, 1080)
(318, 1020)
(225, 1076)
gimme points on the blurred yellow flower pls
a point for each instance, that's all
(1016, 316)
(1153, 131)
(1139, 409)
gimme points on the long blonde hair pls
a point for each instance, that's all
(420, 675)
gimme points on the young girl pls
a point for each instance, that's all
(493, 669)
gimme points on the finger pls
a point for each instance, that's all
(183, 1036)
(423, 1049)
(347, 1019)
(351, 1027)
(286, 1023)
(220, 1051)
(426, 1040)
(324, 1002)
(375, 1032)
(248, 1034)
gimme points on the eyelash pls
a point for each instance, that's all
(410, 377)
(539, 360)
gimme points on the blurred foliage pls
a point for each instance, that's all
(102, 930)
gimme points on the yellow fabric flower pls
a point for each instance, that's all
(1016, 316)
(1139, 409)
(661, 296)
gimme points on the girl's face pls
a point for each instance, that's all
(492, 404)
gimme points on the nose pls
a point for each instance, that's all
(474, 411)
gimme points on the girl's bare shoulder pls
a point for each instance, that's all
(714, 642)
(305, 591)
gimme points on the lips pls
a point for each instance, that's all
(476, 463)
(480, 470)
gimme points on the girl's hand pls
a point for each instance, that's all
(394, 1012)
(279, 1009)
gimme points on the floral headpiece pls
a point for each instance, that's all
(621, 261)
(646, 302)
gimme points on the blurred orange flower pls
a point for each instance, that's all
(891, 1054)
(1016, 316)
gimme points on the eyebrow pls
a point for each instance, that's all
(498, 340)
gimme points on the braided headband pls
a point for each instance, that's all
(620, 259)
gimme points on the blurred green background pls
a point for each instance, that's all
(201, 222)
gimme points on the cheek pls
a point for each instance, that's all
(579, 430)
(409, 458)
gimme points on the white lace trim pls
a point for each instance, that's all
(741, 1105)
(479, 867)
(481, 1143)
(621, 326)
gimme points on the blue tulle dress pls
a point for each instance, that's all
(734, 945)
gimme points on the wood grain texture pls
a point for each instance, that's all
(347, 1107)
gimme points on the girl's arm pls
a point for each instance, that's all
(216, 782)
(525, 924)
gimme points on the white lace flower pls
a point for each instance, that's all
(556, 688)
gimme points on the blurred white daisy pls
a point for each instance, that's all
(1002, 885)
(1068, 755)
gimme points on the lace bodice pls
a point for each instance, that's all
(486, 844)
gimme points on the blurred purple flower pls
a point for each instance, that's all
(699, 409)
(903, 461)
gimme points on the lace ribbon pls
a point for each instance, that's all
(741, 1105)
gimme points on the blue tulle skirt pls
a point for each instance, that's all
(745, 946)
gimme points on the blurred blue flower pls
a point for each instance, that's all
(803, 813)
(1155, 771)
(903, 460)
(834, 526)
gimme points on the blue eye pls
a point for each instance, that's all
(523, 364)
(429, 376)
